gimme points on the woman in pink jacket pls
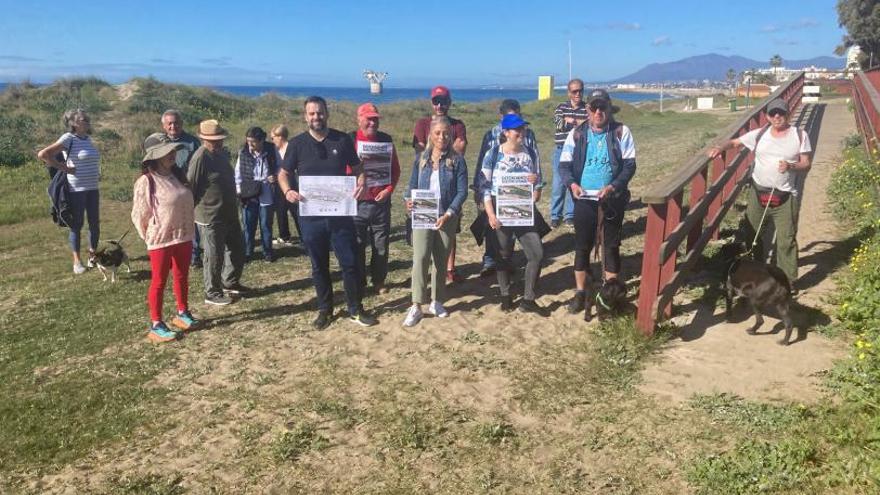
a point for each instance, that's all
(162, 213)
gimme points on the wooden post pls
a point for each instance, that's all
(698, 189)
(650, 284)
(667, 270)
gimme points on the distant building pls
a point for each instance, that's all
(756, 91)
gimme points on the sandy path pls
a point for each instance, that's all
(715, 356)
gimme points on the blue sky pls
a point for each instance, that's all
(456, 42)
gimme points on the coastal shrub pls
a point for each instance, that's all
(16, 135)
(196, 104)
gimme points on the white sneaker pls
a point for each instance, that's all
(437, 310)
(413, 316)
(78, 268)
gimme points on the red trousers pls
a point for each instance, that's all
(163, 260)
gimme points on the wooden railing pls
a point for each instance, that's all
(866, 103)
(713, 185)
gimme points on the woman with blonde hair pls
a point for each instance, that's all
(440, 169)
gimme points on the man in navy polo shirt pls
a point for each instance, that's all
(325, 151)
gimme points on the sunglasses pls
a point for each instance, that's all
(439, 100)
(576, 91)
(595, 107)
(777, 112)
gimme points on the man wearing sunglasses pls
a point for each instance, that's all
(597, 161)
(782, 152)
(567, 116)
(441, 100)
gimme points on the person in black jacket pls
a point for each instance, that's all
(597, 162)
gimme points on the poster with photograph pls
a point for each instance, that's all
(513, 204)
(376, 158)
(327, 196)
(425, 209)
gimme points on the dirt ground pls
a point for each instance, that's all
(482, 401)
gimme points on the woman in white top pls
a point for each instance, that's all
(75, 154)
(440, 169)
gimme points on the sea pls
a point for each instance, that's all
(362, 93)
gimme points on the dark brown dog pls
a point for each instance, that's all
(609, 299)
(764, 286)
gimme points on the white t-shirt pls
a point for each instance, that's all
(773, 149)
(434, 185)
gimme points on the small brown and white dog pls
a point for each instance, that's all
(110, 258)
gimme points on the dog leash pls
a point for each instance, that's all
(760, 226)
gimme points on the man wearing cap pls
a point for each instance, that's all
(781, 153)
(441, 100)
(212, 180)
(491, 140)
(373, 221)
(324, 151)
(597, 161)
(172, 125)
(566, 117)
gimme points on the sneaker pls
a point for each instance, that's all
(576, 305)
(185, 321)
(321, 321)
(555, 223)
(413, 316)
(218, 300)
(236, 289)
(569, 222)
(78, 268)
(529, 306)
(161, 333)
(363, 318)
(437, 309)
(270, 258)
(487, 270)
(507, 304)
(453, 277)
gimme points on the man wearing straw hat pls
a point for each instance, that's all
(213, 185)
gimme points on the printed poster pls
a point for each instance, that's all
(327, 196)
(425, 208)
(513, 204)
(376, 158)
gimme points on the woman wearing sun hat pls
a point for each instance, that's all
(162, 213)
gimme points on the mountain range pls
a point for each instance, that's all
(713, 67)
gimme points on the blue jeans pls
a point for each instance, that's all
(559, 195)
(251, 212)
(319, 235)
(84, 203)
(197, 248)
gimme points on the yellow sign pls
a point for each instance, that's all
(545, 87)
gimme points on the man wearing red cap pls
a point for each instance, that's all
(441, 99)
(373, 221)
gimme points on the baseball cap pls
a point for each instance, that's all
(441, 91)
(512, 121)
(368, 110)
(598, 94)
(777, 104)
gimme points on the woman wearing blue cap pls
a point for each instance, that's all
(512, 167)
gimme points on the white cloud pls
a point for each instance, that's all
(661, 41)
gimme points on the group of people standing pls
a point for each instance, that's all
(190, 202)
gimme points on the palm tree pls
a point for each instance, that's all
(776, 63)
(731, 76)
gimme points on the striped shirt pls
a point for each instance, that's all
(562, 127)
(85, 158)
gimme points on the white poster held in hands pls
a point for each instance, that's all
(327, 196)
(513, 204)
(425, 208)
(376, 158)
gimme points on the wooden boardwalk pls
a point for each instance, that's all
(714, 356)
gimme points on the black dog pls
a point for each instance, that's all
(764, 286)
(608, 299)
